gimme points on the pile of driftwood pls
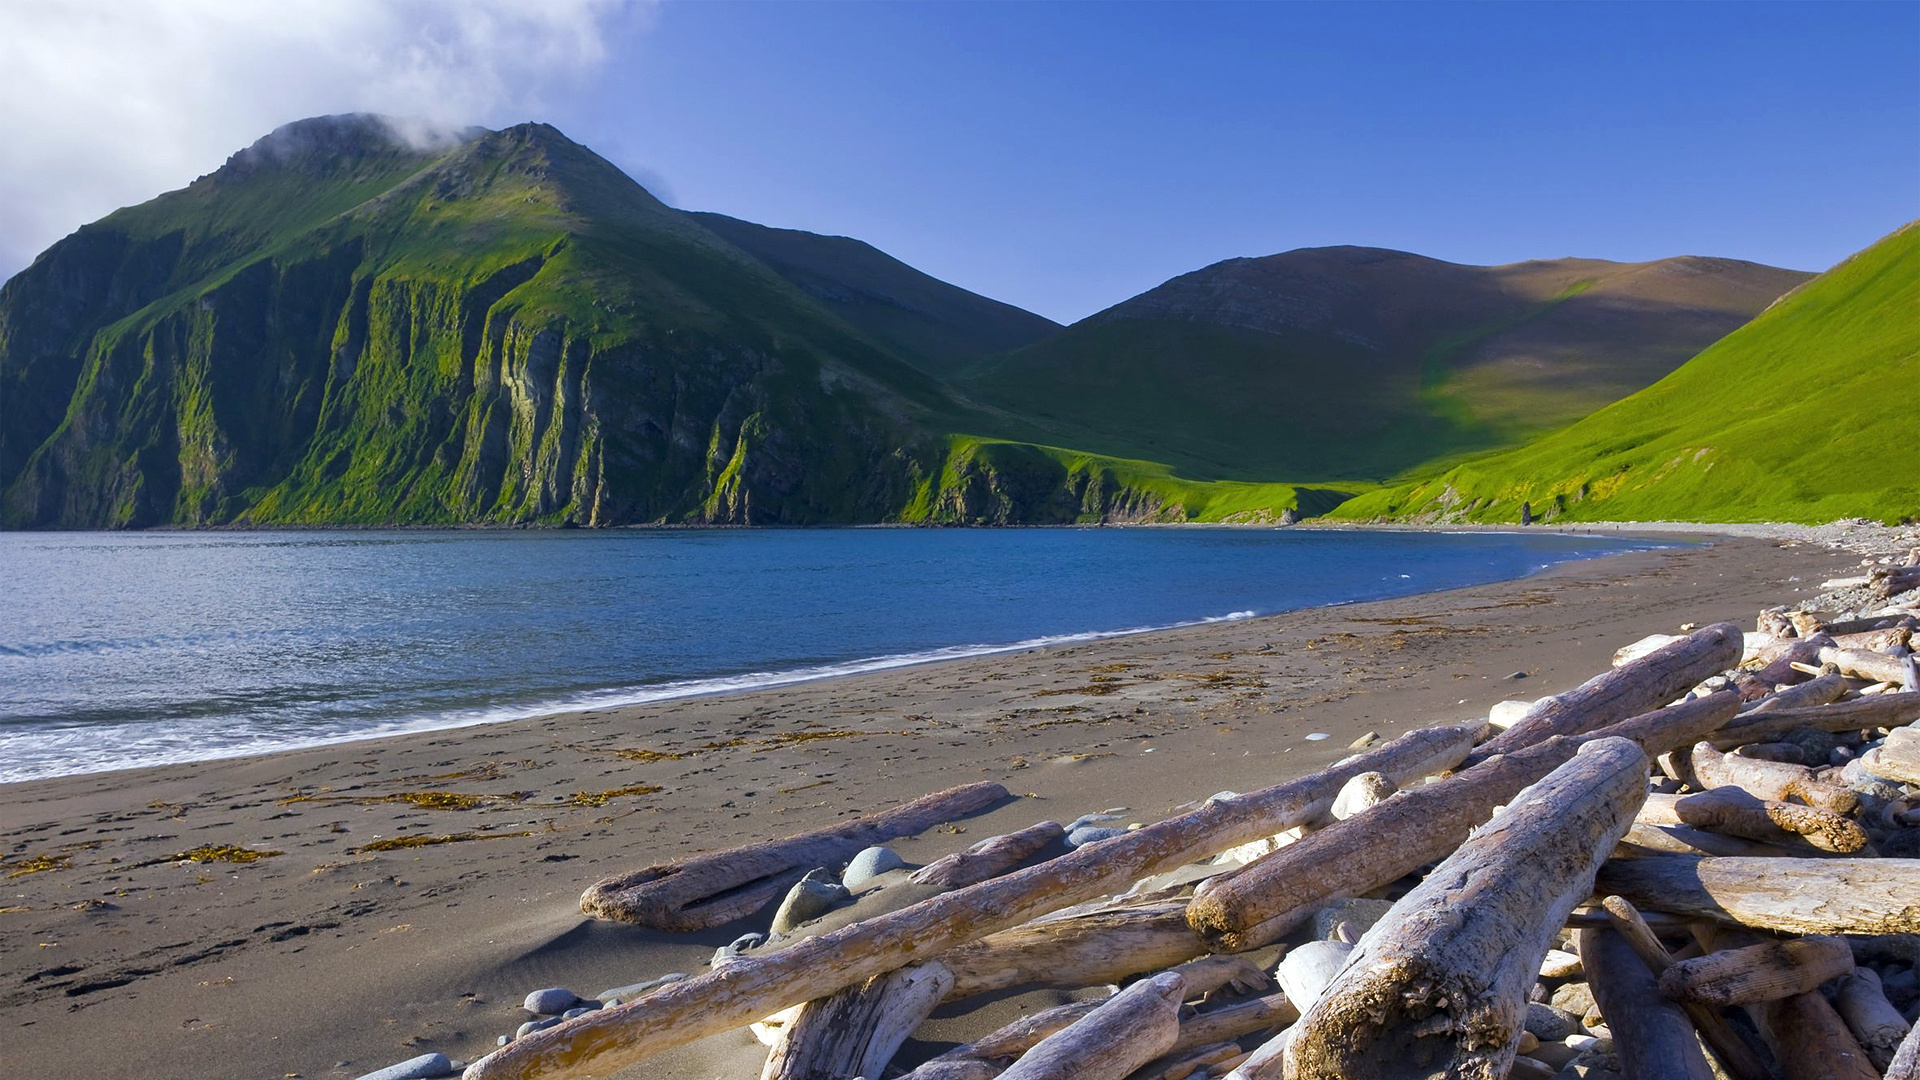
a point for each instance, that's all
(1705, 854)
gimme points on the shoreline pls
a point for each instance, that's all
(335, 951)
(400, 723)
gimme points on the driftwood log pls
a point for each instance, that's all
(1103, 944)
(610, 1039)
(1878, 1026)
(988, 1057)
(989, 858)
(1861, 664)
(1808, 1039)
(1764, 971)
(1258, 904)
(1439, 986)
(856, 1033)
(707, 890)
(1128, 1030)
(1775, 781)
(1791, 896)
(1653, 1036)
(1881, 710)
(1737, 812)
(1898, 758)
(1906, 1060)
(1636, 687)
(1821, 690)
(1739, 1060)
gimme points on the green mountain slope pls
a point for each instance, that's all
(1360, 363)
(343, 327)
(1804, 414)
(939, 325)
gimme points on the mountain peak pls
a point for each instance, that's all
(319, 144)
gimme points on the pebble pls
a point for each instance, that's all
(870, 864)
(532, 1026)
(1550, 1025)
(552, 1001)
(811, 897)
(1088, 834)
(628, 993)
(1518, 675)
(420, 1068)
(1316, 736)
(580, 1010)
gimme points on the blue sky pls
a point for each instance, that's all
(1060, 156)
(1066, 156)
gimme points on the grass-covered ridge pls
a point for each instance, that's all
(1805, 414)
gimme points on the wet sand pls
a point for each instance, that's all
(344, 952)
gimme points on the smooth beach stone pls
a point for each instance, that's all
(581, 1009)
(1575, 998)
(552, 1001)
(532, 1026)
(869, 864)
(1305, 971)
(732, 951)
(1086, 820)
(1550, 1024)
(811, 897)
(421, 1068)
(628, 993)
(1089, 834)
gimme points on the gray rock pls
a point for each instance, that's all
(581, 1009)
(420, 1068)
(532, 1026)
(811, 897)
(870, 864)
(628, 993)
(1901, 844)
(503, 1040)
(1551, 1025)
(729, 952)
(1085, 820)
(1090, 834)
(552, 1001)
(1361, 912)
(1574, 997)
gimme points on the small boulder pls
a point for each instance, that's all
(1086, 820)
(1090, 834)
(811, 897)
(552, 1001)
(423, 1067)
(1551, 1025)
(634, 990)
(532, 1026)
(869, 864)
(1575, 998)
(730, 952)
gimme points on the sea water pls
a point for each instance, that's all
(128, 649)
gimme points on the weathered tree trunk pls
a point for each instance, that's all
(1776, 663)
(1906, 1060)
(1637, 687)
(1808, 1039)
(1102, 945)
(1765, 971)
(1871, 1017)
(1654, 1037)
(989, 858)
(1736, 812)
(988, 1057)
(856, 1033)
(1861, 664)
(1440, 984)
(1894, 580)
(1790, 896)
(1254, 906)
(1882, 710)
(1128, 1030)
(1739, 1060)
(676, 1014)
(1687, 840)
(1772, 780)
(707, 890)
(1823, 690)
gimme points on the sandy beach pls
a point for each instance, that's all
(343, 951)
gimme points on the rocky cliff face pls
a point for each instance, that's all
(340, 327)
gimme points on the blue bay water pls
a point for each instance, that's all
(119, 650)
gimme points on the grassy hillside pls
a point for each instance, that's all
(1355, 364)
(1804, 414)
(940, 326)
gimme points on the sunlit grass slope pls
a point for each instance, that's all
(1807, 413)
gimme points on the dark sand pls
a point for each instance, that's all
(329, 961)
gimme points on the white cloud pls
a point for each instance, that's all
(105, 103)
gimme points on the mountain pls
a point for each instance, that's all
(1351, 363)
(1804, 414)
(942, 326)
(348, 324)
